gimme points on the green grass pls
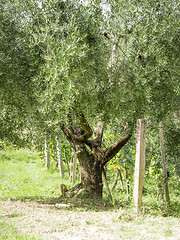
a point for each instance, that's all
(150, 204)
(23, 175)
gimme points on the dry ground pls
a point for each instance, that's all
(48, 220)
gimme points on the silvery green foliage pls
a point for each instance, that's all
(114, 60)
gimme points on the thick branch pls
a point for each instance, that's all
(87, 129)
(113, 52)
(68, 132)
(98, 135)
(114, 149)
(89, 143)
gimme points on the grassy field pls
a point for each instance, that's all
(24, 176)
(30, 207)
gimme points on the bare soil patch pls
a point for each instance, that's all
(66, 221)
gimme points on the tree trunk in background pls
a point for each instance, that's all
(47, 155)
(32, 146)
(127, 181)
(139, 173)
(165, 178)
(59, 157)
(115, 180)
(106, 182)
(118, 173)
(121, 180)
(73, 166)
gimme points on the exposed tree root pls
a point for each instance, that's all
(74, 192)
(79, 193)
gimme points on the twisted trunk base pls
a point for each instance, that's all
(92, 157)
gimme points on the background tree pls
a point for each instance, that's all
(18, 65)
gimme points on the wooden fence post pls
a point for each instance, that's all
(139, 173)
(165, 179)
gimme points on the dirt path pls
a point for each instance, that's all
(47, 221)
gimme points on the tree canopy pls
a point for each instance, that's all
(114, 61)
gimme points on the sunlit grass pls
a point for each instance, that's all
(23, 175)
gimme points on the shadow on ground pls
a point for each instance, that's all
(69, 203)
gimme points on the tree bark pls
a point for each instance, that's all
(47, 155)
(122, 184)
(59, 157)
(73, 166)
(93, 158)
(106, 182)
(118, 174)
(115, 180)
(127, 181)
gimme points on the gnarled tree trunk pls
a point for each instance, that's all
(92, 158)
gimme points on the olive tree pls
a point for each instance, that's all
(103, 63)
